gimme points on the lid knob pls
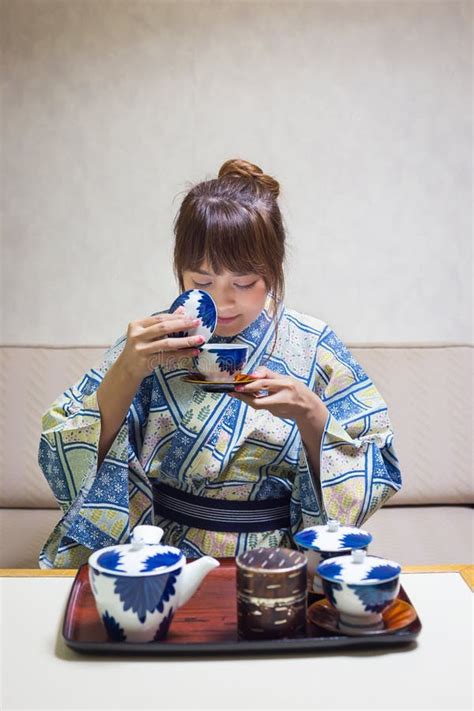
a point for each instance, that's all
(333, 525)
(145, 536)
(358, 555)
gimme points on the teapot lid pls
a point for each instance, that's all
(359, 568)
(332, 537)
(144, 556)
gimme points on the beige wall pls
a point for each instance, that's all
(361, 109)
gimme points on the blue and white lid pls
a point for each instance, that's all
(197, 304)
(333, 537)
(358, 568)
(144, 556)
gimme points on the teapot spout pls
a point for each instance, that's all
(192, 576)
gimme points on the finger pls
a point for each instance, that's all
(171, 325)
(150, 320)
(263, 384)
(262, 372)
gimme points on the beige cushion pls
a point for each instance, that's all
(429, 394)
(23, 533)
(33, 379)
(425, 535)
(428, 391)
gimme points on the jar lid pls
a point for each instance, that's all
(271, 560)
(359, 568)
(144, 556)
(332, 537)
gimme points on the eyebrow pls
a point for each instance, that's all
(201, 271)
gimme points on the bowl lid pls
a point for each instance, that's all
(144, 556)
(197, 304)
(359, 568)
(332, 537)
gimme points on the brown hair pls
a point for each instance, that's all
(234, 223)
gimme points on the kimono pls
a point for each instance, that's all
(213, 446)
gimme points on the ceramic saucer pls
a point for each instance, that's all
(216, 386)
(396, 617)
(197, 304)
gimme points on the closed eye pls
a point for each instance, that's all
(247, 286)
(239, 286)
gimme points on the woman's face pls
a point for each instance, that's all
(238, 297)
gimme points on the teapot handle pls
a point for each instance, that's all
(145, 535)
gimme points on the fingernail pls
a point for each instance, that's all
(239, 388)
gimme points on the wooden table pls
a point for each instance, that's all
(40, 672)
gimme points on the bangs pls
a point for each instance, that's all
(226, 236)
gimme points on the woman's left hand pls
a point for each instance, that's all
(286, 397)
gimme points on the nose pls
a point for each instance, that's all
(225, 304)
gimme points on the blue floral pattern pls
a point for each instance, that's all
(159, 560)
(375, 597)
(354, 540)
(230, 361)
(113, 628)
(332, 570)
(146, 594)
(92, 579)
(329, 590)
(111, 560)
(207, 311)
(180, 301)
(306, 538)
(382, 572)
(162, 630)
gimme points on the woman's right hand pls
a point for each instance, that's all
(149, 344)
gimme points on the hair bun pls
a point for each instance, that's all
(239, 168)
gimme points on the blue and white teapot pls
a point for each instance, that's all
(138, 587)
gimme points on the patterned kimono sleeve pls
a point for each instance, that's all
(97, 504)
(359, 470)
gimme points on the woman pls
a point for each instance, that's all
(132, 443)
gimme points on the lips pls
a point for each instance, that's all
(226, 320)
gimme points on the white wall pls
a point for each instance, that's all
(360, 109)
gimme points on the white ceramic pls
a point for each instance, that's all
(360, 587)
(327, 541)
(138, 587)
(197, 304)
(220, 362)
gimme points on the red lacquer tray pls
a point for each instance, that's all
(207, 624)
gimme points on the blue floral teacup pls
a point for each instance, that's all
(360, 587)
(220, 362)
(328, 541)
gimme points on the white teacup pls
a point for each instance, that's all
(220, 362)
(360, 587)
